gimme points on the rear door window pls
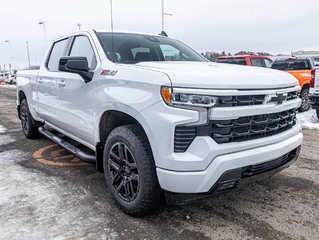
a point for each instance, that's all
(257, 62)
(57, 52)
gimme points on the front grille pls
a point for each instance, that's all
(236, 130)
(236, 101)
(248, 100)
(252, 127)
(292, 95)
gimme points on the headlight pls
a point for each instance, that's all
(174, 98)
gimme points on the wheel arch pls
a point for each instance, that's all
(108, 121)
(305, 86)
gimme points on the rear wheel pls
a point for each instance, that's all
(130, 171)
(29, 125)
(305, 101)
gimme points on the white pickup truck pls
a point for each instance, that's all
(159, 119)
(314, 87)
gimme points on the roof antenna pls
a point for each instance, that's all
(163, 33)
(112, 30)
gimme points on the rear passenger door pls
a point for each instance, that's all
(75, 105)
(46, 82)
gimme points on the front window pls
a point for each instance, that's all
(135, 48)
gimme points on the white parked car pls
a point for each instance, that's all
(161, 119)
(11, 79)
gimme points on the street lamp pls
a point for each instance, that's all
(27, 43)
(10, 56)
(8, 41)
(79, 26)
(163, 19)
(44, 32)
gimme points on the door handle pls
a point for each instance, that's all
(40, 80)
(61, 83)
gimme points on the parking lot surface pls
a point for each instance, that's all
(46, 193)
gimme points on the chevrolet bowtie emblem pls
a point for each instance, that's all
(279, 98)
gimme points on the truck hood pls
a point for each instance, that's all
(221, 76)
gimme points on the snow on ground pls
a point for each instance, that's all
(36, 206)
(2, 129)
(309, 120)
(8, 86)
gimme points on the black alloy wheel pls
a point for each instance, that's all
(123, 170)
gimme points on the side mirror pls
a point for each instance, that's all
(77, 65)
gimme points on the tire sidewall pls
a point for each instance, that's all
(24, 104)
(303, 94)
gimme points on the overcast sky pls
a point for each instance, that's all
(275, 26)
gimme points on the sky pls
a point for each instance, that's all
(275, 26)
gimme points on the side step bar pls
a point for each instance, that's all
(71, 148)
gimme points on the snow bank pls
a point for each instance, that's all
(8, 86)
(2, 129)
(309, 120)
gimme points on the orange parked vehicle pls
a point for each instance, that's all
(301, 68)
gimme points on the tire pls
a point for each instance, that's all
(130, 171)
(305, 104)
(29, 125)
(317, 113)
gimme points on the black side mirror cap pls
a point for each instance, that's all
(77, 65)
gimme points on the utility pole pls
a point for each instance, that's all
(28, 53)
(79, 26)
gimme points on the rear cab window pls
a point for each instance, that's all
(292, 65)
(239, 61)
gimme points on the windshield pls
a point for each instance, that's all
(292, 64)
(135, 48)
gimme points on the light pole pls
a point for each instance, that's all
(27, 43)
(10, 57)
(44, 32)
(163, 18)
(79, 26)
(9, 44)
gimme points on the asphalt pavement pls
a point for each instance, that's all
(46, 193)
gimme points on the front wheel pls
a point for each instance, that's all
(305, 101)
(130, 171)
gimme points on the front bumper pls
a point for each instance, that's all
(203, 181)
(238, 177)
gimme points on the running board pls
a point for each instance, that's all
(71, 148)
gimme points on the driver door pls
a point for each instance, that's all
(75, 105)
